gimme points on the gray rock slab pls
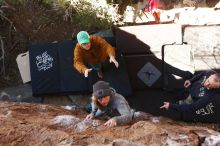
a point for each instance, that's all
(21, 93)
(203, 39)
(192, 16)
(80, 100)
(207, 62)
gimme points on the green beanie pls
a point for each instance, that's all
(83, 37)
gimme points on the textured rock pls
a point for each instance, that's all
(207, 62)
(191, 16)
(21, 93)
(195, 3)
(35, 124)
(205, 46)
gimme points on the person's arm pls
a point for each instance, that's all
(108, 50)
(104, 44)
(196, 77)
(191, 107)
(125, 113)
(95, 112)
(94, 108)
(78, 60)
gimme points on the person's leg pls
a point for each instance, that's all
(98, 69)
(188, 100)
(139, 115)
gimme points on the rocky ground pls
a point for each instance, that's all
(36, 124)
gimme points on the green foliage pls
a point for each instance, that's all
(82, 13)
(88, 17)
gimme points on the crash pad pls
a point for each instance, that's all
(52, 71)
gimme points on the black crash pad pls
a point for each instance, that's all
(148, 71)
(145, 71)
(52, 71)
(130, 44)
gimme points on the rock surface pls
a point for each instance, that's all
(35, 124)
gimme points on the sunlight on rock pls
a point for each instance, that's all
(82, 126)
(123, 142)
(64, 121)
(212, 140)
(171, 142)
(66, 142)
(179, 140)
(155, 119)
(6, 114)
(68, 122)
(70, 107)
(96, 123)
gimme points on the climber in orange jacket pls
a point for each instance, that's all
(92, 50)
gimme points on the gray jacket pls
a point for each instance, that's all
(119, 103)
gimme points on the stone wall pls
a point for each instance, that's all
(205, 44)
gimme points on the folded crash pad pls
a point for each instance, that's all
(148, 71)
(52, 71)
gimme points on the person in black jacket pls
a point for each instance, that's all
(203, 89)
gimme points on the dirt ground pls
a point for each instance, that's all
(34, 124)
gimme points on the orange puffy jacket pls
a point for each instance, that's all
(99, 51)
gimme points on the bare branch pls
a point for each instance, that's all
(3, 55)
(11, 23)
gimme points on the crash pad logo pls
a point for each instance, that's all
(149, 74)
(207, 110)
(44, 61)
